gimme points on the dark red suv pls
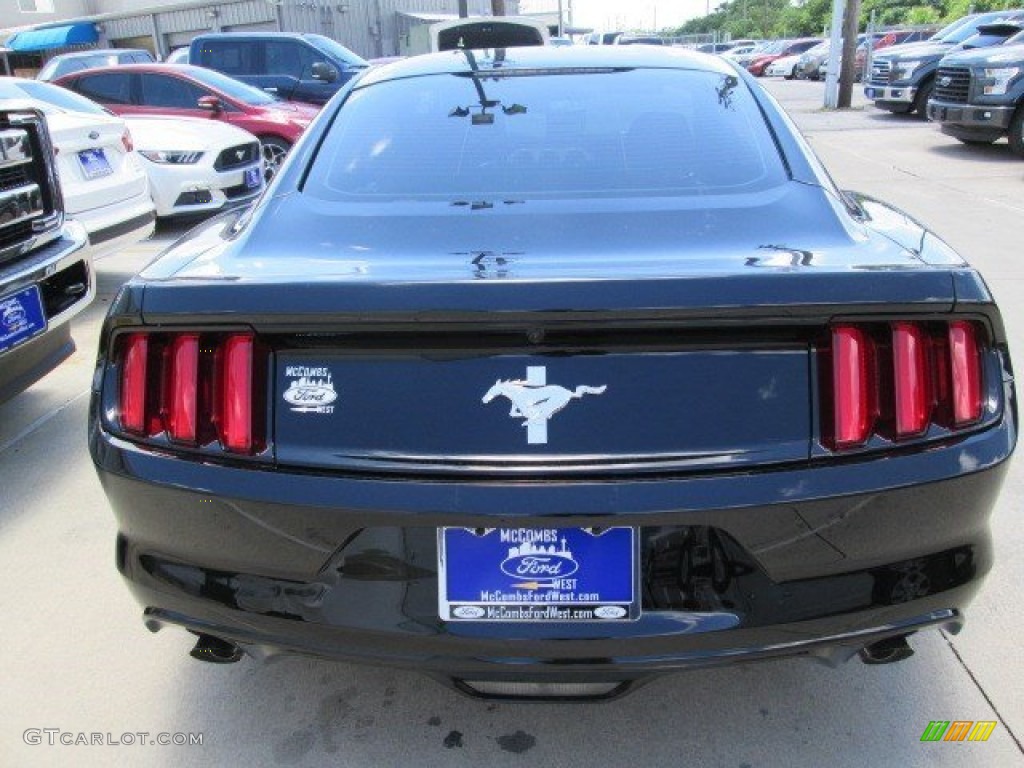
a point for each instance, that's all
(163, 89)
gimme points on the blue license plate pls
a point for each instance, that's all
(253, 177)
(21, 317)
(537, 574)
(94, 163)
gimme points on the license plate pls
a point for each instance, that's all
(537, 575)
(253, 177)
(94, 163)
(21, 317)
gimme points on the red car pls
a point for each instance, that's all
(784, 48)
(163, 89)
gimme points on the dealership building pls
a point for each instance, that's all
(39, 29)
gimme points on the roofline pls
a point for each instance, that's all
(549, 58)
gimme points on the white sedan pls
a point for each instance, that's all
(784, 67)
(102, 180)
(197, 166)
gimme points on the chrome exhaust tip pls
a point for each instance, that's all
(887, 651)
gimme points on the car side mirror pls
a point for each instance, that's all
(324, 71)
(211, 103)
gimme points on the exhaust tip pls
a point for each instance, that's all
(887, 651)
(213, 650)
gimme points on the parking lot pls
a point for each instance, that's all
(78, 661)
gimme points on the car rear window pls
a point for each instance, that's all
(517, 135)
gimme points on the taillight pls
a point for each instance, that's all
(132, 401)
(854, 384)
(126, 141)
(911, 379)
(182, 388)
(896, 380)
(233, 394)
(193, 389)
(965, 367)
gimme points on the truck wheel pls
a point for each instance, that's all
(1016, 134)
(920, 105)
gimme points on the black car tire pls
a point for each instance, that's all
(274, 151)
(1016, 134)
(920, 105)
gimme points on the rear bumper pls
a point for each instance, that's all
(116, 226)
(816, 561)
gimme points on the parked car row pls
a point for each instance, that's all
(796, 59)
(105, 187)
(968, 76)
(978, 96)
(46, 268)
(969, 79)
(179, 165)
(902, 78)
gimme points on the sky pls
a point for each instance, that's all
(613, 15)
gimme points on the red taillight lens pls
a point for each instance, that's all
(126, 141)
(925, 374)
(853, 386)
(912, 376)
(182, 389)
(135, 357)
(194, 389)
(233, 394)
(965, 368)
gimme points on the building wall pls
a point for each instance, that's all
(368, 27)
(11, 14)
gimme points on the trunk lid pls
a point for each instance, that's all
(654, 339)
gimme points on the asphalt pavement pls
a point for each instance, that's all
(82, 679)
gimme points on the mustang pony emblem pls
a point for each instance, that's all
(535, 401)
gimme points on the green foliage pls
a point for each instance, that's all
(781, 18)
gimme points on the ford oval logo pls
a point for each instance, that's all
(309, 394)
(609, 612)
(544, 566)
(468, 612)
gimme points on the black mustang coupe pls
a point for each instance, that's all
(545, 371)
